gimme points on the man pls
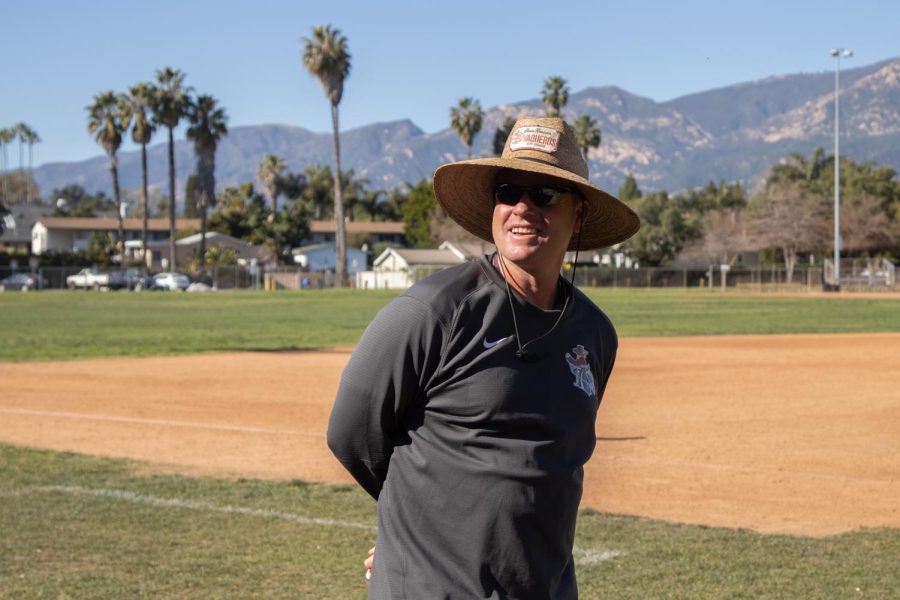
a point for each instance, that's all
(467, 409)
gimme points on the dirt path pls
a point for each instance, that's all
(793, 434)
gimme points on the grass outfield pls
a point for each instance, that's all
(64, 325)
(79, 527)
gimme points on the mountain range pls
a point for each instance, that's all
(734, 133)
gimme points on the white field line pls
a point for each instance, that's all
(195, 505)
(165, 422)
(583, 556)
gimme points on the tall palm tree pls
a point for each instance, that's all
(269, 176)
(107, 122)
(465, 119)
(326, 57)
(21, 129)
(555, 94)
(7, 135)
(587, 134)
(138, 103)
(169, 107)
(31, 138)
(208, 125)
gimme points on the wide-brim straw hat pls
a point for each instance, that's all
(465, 189)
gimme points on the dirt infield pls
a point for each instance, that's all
(793, 434)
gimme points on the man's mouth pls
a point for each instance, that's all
(524, 230)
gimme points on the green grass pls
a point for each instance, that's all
(65, 535)
(63, 325)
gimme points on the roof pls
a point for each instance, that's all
(468, 250)
(95, 223)
(210, 235)
(358, 227)
(328, 246)
(414, 256)
(19, 221)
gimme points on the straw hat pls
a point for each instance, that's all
(537, 145)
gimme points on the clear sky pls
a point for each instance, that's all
(410, 58)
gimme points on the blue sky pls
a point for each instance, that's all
(411, 59)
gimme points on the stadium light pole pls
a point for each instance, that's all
(837, 53)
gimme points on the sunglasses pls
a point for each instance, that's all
(541, 196)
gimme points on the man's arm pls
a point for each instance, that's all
(389, 370)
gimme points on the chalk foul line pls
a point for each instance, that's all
(189, 505)
(164, 422)
(583, 556)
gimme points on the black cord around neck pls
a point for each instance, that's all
(522, 353)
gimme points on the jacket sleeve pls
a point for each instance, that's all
(387, 373)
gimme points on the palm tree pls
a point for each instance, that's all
(138, 103)
(269, 176)
(20, 129)
(465, 119)
(208, 126)
(555, 95)
(107, 122)
(7, 135)
(169, 106)
(502, 133)
(31, 138)
(326, 57)
(587, 134)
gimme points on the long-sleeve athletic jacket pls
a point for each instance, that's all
(474, 455)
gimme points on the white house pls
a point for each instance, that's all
(187, 248)
(68, 234)
(401, 267)
(323, 257)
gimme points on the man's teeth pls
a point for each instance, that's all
(525, 230)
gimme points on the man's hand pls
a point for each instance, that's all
(368, 562)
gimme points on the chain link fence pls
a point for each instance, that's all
(295, 278)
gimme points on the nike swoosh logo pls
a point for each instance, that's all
(488, 344)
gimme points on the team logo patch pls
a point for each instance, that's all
(542, 139)
(581, 369)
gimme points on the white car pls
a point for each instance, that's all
(171, 281)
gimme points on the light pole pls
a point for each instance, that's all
(837, 53)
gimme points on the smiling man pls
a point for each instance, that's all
(467, 409)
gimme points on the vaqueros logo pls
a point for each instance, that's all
(581, 369)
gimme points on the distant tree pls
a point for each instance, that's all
(290, 228)
(20, 129)
(501, 134)
(76, 202)
(799, 168)
(191, 210)
(241, 212)
(587, 134)
(555, 94)
(319, 191)
(138, 103)
(100, 249)
(724, 235)
(7, 135)
(30, 137)
(169, 107)
(269, 176)
(667, 225)
(208, 124)
(465, 119)
(629, 190)
(3, 212)
(418, 210)
(107, 122)
(326, 57)
(866, 228)
(790, 217)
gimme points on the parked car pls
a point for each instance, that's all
(93, 279)
(171, 281)
(22, 281)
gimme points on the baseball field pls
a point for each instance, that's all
(173, 446)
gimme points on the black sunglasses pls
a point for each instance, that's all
(541, 196)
